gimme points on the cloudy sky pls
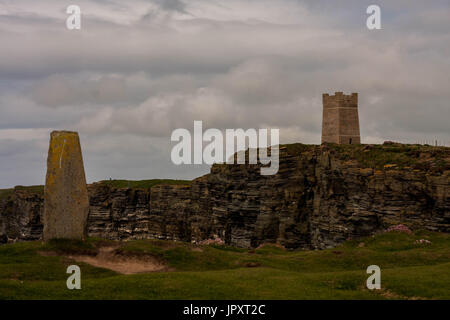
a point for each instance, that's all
(139, 69)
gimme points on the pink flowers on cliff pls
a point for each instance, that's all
(216, 241)
(399, 228)
(422, 241)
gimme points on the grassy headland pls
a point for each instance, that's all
(409, 270)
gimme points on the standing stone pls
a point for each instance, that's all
(66, 202)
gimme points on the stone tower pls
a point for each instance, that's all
(340, 122)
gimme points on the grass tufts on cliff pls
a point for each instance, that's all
(396, 155)
(5, 193)
(411, 268)
(382, 156)
(143, 184)
(134, 184)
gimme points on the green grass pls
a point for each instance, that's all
(5, 193)
(377, 156)
(135, 184)
(298, 148)
(23, 263)
(409, 270)
(410, 156)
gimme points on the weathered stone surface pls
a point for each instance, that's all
(340, 120)
(66, 203)
(317, 200)
(20, 218)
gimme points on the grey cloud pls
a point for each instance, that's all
(173, 5)
(58, 90)
(91, 89)
(22, 163)
(126, 80)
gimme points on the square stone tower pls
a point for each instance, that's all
(340, 122)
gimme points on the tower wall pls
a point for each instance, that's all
(340, 122)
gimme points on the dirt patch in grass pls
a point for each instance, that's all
(109, 257)
(394, 296)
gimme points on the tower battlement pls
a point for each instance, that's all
(340, 123)
(339, 99)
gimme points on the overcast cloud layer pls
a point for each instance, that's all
(139, 69)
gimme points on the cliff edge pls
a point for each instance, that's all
(321, 196)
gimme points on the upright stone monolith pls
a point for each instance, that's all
(66, 202)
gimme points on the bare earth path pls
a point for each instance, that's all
(107, 258)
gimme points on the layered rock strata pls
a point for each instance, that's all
(318, 198)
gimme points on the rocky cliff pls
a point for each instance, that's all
(320, 196)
